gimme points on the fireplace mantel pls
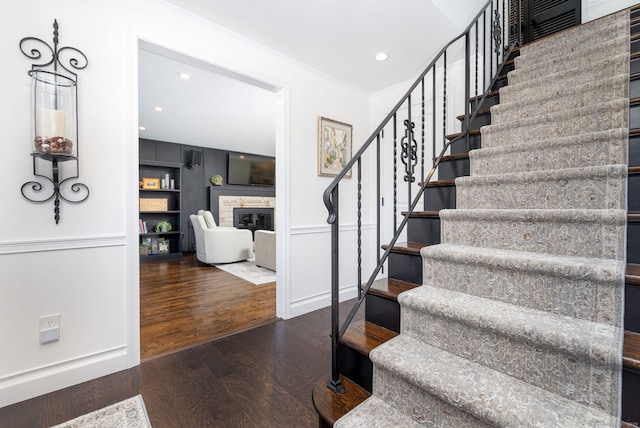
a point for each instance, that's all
(228, 203)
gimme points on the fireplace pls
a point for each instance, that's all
(253, 218)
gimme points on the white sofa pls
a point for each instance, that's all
(265, 247)
(220, 244)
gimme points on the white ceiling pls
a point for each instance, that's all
(337, 37)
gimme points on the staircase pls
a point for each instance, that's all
(517, 321)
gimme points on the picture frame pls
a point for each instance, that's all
(334, 146)
(150, 183)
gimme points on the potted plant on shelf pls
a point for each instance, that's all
(216, 180)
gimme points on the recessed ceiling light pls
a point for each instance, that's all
(381, 56)
(142, 128)
(158, 108)
(185, 76)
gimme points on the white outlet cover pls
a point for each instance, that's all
(50, 321)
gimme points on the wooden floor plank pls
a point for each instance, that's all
(184, 302)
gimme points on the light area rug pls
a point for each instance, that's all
(129, 413)
(249, 271)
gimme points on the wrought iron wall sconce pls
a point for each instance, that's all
(55, 122)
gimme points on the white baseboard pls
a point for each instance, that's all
(25, 385)
(319, 301)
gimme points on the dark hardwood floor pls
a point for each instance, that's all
(261, 377)
(184, 302)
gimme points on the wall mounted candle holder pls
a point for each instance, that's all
(55, 122)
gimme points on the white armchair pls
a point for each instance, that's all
(220, 244)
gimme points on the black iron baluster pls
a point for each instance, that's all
(485, 79)
(467, 87)
(444, 102)
(335, 383)
(422, 149)
(359, 283)
(433, 117)
(395, 175)
(379, 201)
(408, 151)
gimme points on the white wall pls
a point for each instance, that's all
(86, 268)
(593, 9)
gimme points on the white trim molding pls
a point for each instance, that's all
(18, 247)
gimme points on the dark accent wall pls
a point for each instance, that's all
(197, 192)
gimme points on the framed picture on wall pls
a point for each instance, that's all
(334, 146)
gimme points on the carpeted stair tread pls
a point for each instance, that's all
(594, 187)
(567, 351)
(558, 232)
(377, 413)
(389, 288)
(536, 66)
(330, 405)
(583, 120)
(363, 336)
(454, 388)
(631, 353)
(581, 95)
(533, 280)
(598, 148)
(581, 37)
(598, 69)
(535, 86)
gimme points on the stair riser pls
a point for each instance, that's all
(460, 146)
(355, 366)
(405, 267)
(558, 233)
(635, 62)
(634, 150)
(439, 197)
(567, 375)
(634, 116)
(592, 71)
(634, 192)
(425, 230)
(478, 121)
(488, 102)
(535, 285)
(634, 89)
(574, 122)
(630, 394)
(631, 305)
(558, 100)
(383, 312)
(451, 169)
(422, 406)
(553, 154)
(540, 190)
(633, 242)
(536, 66)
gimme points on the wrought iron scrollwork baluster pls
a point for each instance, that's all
(409, 155)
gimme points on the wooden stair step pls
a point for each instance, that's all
(631, 351)
(633, 217)
(634, 76)
(422, 214)
(632, 274)
(472, 132)
(479, 114)
(455, 157)
(363, 336)
(489, 95)
(330, 405)
(441, 183)
(389, 288)
(633, 170)
(411, 248)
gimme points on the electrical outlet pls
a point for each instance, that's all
(49, 328)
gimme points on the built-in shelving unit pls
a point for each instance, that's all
(160, 205)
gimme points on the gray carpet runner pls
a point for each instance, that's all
(518, 321)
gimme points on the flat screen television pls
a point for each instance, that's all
(251, 170)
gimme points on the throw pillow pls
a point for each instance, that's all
(208, 219)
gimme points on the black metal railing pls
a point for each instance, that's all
(457, 65)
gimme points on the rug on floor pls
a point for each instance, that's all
(129, 413)
(249, 271)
